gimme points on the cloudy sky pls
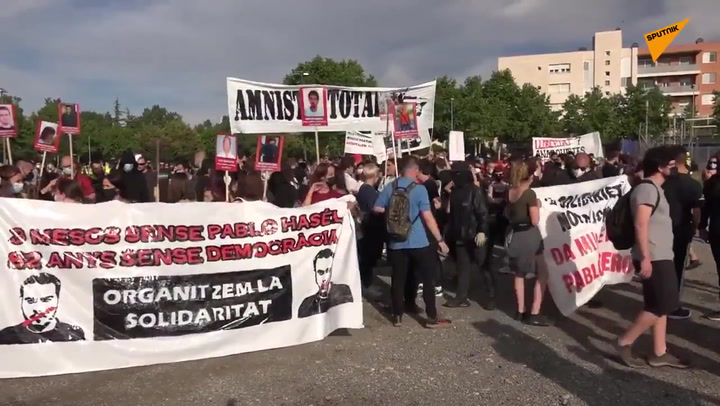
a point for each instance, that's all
(177, 53)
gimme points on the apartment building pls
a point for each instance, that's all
(607, 65)
(688, 73)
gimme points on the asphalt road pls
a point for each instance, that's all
(485, 358)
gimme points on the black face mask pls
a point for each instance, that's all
(109, 194)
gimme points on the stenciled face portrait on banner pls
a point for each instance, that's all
(312, 106)
(47, 137)
(39, 302)
(226, 153)
(328, 294)
(268, 153)
(69, 118)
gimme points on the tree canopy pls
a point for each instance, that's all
(497, 107)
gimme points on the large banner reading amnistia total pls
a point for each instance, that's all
(262, 108)
(88, 288)
(578, 254)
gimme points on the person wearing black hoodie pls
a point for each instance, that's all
(137, 190)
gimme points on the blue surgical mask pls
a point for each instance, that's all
(128, 167)
(17, 187)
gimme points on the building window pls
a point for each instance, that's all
(607, 53)
(663, 84)
(607, 83)
(645, 63)
(709, 78)
(708, 99)
(559, 68)
(685, 60)
(709, 57)
(586, 65)
(624, 82)
(607, 73)
(559, 88)
(607, 63)
(607, 93)
(663, 62)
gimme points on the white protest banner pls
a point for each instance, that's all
(457, 146)
(114, 285)
(358, 143)
(578, 254)
(264, 108)
(379, 149)
(588, 143)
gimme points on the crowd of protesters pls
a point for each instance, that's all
(458, 211)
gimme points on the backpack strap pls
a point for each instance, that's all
(657, 203)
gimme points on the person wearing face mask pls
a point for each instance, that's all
(180, 187)
(581, 169)
(134, 180)
(711, 168)
(11, 181)
(322, 182)
(66, 172)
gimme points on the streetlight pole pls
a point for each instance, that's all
(692, 119)
(452, 113)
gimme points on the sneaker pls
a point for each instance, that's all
(519, 316)
(714, 316)
(667, 360)
(680, 314)
(693, 264)
(437, 323)
(397, 321)
(420, 288)
(628, 358)
(536, 320)
(457, 303)
(438, 291)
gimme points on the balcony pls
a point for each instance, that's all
(679, 90)
(668, 70)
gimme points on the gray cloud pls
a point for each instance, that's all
(178, 52)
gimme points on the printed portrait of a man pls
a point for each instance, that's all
(328, 294)
(39, 301)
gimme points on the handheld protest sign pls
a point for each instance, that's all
(69, 118)
(405, 118)
(47, 138)
(313, 109)
(268, 153)
(226, 158)
(8, 121)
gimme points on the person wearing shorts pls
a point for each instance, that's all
(653, 257)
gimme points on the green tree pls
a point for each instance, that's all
(573, 116)
(324, 71)
(716, 107)
(447, 100)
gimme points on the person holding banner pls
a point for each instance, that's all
(524, 244)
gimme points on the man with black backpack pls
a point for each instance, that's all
(652, 254)
(407, 210)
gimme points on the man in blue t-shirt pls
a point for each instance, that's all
(415, 251)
